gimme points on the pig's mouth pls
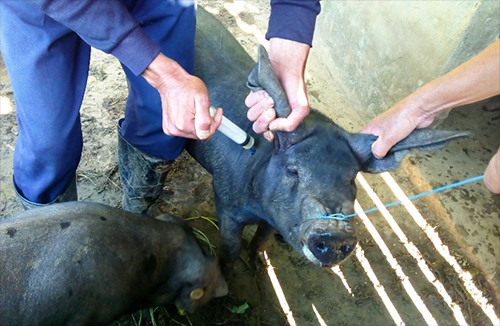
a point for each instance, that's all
(325, 244)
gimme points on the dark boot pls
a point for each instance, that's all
(142, 176)
(70, 194)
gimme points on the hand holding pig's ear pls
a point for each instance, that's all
(261, 112)
(287, 59)
(394, 125)
(184, 98)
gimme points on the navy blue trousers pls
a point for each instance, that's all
(48, 67)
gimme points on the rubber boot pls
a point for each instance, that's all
(70, 194)
(142, 176)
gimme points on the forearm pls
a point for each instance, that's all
(474, 80)
(288, 57)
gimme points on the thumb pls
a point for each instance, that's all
(380, 148)
(202, 119)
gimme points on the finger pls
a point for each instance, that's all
(492, 174)
(202, 118)
(217, 120)
(259, 108)
(269, 135)
(168, 129)
(262, 123)
(380, 148)
(292, 121)
(254, 98)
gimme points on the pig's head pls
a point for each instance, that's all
(201, 281)
(312, 172)
(196, 277)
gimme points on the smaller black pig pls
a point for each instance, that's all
(82, 263)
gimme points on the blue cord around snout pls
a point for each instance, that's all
(340, 216)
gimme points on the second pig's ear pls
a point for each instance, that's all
(263, 77)
(425, 139)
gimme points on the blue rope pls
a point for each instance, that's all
(340, 216)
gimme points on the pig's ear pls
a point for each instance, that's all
(426, 139)
(263, 77)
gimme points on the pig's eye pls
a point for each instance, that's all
(292, 171)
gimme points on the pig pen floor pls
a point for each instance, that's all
(400, 273)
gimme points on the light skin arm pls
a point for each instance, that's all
(474, 80)
(184, 98)
(288, 59)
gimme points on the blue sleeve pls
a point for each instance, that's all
(107, 26)
(293, 20)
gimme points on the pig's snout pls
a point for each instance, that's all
(327, 242)
(330, 248)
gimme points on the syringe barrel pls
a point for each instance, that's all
(229, 129)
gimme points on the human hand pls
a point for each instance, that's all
(396, 123)
(184, 98)
(288, 59)
(492, 174)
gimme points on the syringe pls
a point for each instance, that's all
(235, 133)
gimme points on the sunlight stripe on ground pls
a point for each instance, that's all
(318, 316)
(279, 291)
(414, 252)
(417, 301)
(360, 254)
(466, 277)
(338, 271)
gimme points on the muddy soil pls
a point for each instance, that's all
(314, 297)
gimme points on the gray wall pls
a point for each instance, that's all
(378, 52)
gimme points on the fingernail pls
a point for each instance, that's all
(268, 135)
(270, 101)
(274, 128)
(270, 113)
(203, 134)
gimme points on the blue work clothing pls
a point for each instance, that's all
(293, 20)
(48, 66)
(46, 47)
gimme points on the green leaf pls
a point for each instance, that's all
(241, 309)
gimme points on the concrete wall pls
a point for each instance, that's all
(381, 51)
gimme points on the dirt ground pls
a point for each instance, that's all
(314, 296)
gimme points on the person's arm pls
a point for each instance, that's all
(291, 29)
(472, 81)
(108, 26)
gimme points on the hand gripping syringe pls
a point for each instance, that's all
(238, 135)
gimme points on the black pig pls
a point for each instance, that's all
(82, 263)
(303, 174)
